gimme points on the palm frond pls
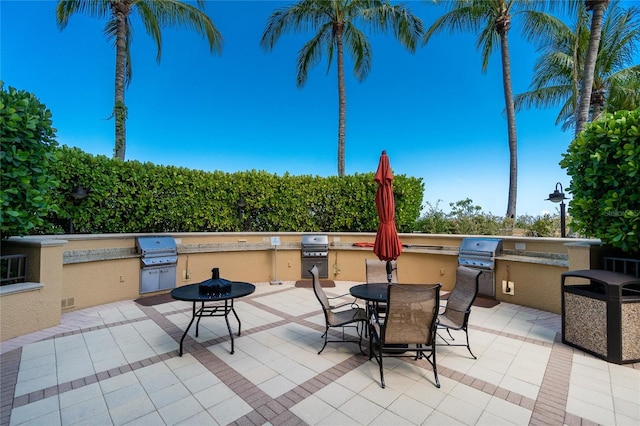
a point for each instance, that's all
(303, 16)
(157, 14)
(66, 8)
(311, 53)
(358, 47)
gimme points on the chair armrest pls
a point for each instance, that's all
(457, 310)
(353, 304)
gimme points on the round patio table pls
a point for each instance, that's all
(373, 292)
(191, 293)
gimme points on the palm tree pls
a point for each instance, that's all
(597, 7)
(558, 70)
(154, 15)
(336, 26)
(491, 19)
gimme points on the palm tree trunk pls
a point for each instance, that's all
(120, 11)
(511, 124)
(342, 104)
(598, 7)
(502, 27)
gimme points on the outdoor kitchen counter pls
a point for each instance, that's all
(409, 248)
(523, 256)
(538, 258)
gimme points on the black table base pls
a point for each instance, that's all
(212, 305)
(212, 311)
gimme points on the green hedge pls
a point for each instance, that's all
(27, 140)
(604, 165)
(142, 197)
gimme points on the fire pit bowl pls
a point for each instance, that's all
(216, 285)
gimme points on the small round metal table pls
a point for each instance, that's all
(191, 293)
(374, 292)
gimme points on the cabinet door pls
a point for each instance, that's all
(155, 279)
(167, 278)
(149, 280)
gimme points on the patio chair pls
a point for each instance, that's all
(376, 272)
(335, 316)
(409, 325)
(455, 315)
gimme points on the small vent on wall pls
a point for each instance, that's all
(68, 303)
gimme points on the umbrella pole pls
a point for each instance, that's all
(389, 271)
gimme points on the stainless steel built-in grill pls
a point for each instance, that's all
(315, 251)
(158, 263)
(481, 253)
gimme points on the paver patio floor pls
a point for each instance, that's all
(118, 364)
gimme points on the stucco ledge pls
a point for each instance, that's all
(8, 289)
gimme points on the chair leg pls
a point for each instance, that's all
(450, 336)
(361, 332)
(435, 368)
(379, 361)
(469, 347)
(326, 335)
(377, 356)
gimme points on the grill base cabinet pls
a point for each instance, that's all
(602, 318)
(310, 262)
(156, 279)
(487, 284)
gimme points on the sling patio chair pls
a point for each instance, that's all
(408, 326)
(376, 272)
(336, 316)
(455, 315)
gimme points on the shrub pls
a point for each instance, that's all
(129, 196)
(467, 218)
(27, 138)
(604, 165)
(540, 226)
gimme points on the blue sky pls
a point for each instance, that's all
(434, 112)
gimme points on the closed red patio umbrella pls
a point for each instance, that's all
(387, 245)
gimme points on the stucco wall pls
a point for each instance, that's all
(81, 271)
(33, 306)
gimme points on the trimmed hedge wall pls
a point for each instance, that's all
(142, 197)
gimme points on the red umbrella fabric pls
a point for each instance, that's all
(387, 245)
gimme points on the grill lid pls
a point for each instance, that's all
(156, 246)
(480, 247)
(315, 241)
(315, 245)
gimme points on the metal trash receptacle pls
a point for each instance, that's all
(601, 317)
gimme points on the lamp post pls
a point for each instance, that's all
(78, 194)
(241, 206)
(557, 196)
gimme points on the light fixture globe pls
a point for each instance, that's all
(79, 193)
(557, 196)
